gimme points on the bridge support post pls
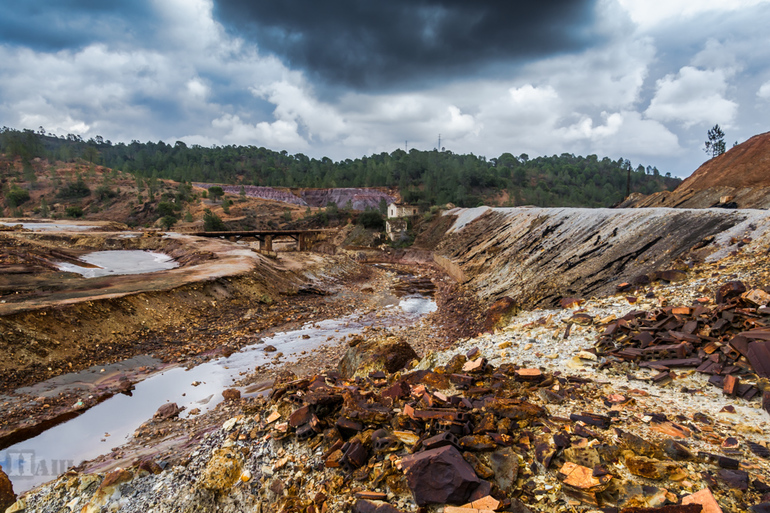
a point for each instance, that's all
(266, 244)
(302, 243)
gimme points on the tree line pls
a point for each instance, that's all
(423, 177)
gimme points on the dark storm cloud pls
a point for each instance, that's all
(52, 25)
(368, 43)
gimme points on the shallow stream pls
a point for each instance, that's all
(111, 423)
(51, 227)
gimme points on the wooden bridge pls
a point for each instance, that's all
(266, 237)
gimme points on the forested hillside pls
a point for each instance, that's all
(425, 177)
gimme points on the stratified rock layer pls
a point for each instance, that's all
(537, 256)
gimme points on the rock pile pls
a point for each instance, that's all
(728, 340)
(463, 437)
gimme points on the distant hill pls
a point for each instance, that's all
(741, 176)
(422, 177)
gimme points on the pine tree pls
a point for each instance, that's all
(715, 145)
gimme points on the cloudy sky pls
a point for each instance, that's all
(641, 79)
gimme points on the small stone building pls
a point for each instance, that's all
(396, 210)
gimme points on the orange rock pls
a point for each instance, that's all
(671, 429)
(530, 373)
(474, 365)
(705, 499)
(581, 477)
(487, 502)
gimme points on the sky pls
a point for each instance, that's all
(638, 79)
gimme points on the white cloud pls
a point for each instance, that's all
(648, 13)
(196, 82)
(296, 105)
(692, 97)
(278, 134)
(626, 133)
(197, 89)
(764, 91)
(717, 55)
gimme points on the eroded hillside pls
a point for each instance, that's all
(739, 178)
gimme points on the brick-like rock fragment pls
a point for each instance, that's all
(729, 290)
(300, 416)
(439, 476)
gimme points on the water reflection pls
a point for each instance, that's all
(113, 263)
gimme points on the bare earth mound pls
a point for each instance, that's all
(741, 172)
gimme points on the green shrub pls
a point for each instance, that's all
(104, 192)
(73, 190)
(167, 222)
(372, 220)
(165, 209)
(74, 211)
(212, 222)
(16, 196)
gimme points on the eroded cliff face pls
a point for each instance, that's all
(538, 256)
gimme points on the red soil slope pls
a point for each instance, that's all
(742, 174)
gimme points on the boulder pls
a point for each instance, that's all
(500, 313)
(439, 476)
(231, 394)
(167, 411)
(389, 354)
(7, 497)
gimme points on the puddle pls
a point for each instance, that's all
(110, 423)
(51, 227)
(113, 263)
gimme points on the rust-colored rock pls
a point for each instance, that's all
(7, 497)
(167, 411)
(117, 476)
(505, 464)
(647, 467)
(231, 394)
(729, 290)
(223, 470)
(500, 313)
(439, 476)
(388, 354)
(515, 409)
